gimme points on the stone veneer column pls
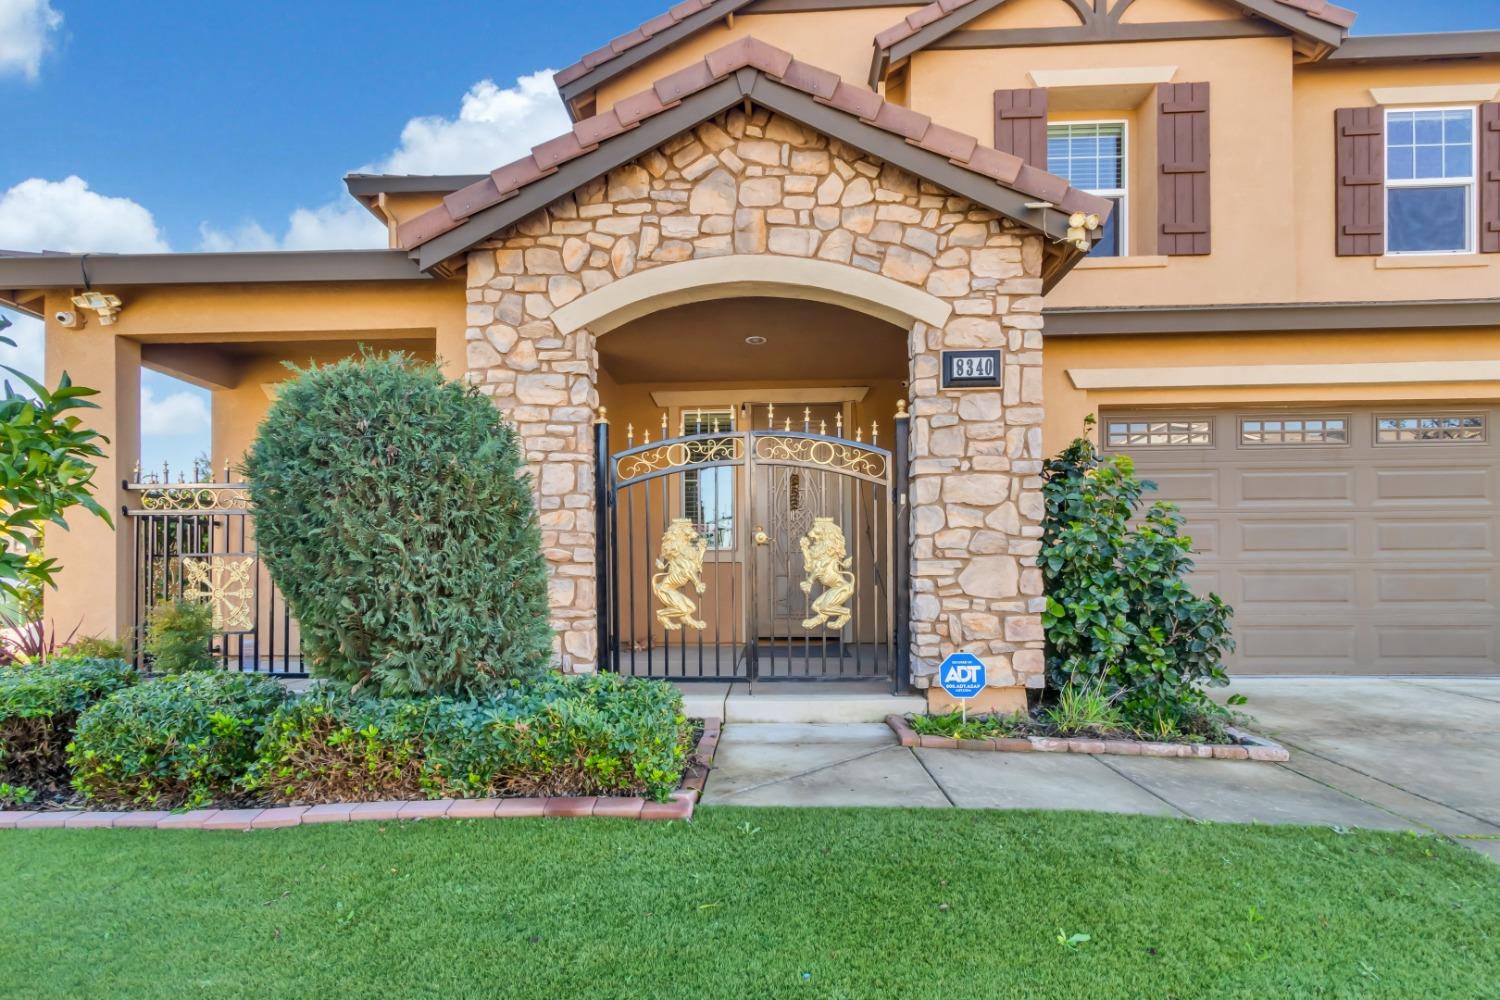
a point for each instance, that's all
(758, 184)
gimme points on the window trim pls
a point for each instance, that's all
(1122, 220)
(1378, 416)
(1108, 421)
(1471, 229)
(1285, 415)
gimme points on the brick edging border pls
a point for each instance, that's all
(1247, 746)
(275, 817)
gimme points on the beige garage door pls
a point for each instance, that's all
(1356, 540)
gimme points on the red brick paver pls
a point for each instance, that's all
(620, 808)
(45, 821)
(377, 811)
(429, 809)
(231, 819)
(520, 808)
(193, 819)
(473, 808)
(331, 812)
(144, 820)
(569, 806)
(275, 819)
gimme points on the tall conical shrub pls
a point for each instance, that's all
(392, 511)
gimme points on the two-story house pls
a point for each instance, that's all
(790, 319)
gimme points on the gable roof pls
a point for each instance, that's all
(610, 60)
(1317, 20)
(746, 70)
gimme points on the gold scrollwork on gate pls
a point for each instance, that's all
(194, 498)
(225, 584)
(834, 455)
(826, 561)
(681, 564)
(679, 454)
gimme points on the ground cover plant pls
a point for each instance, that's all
(751, 903)
(184, 740)
(1075, 711)
(39, 708)
(1121, 622)
(393, 512)
(589, 735)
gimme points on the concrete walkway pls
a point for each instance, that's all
(1379, 753)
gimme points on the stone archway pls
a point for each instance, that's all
(797, 213)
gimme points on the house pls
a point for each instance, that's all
(791, 317)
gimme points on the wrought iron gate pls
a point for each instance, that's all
(754, 553)
(197, 541)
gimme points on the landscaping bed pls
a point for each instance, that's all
(1013, 734)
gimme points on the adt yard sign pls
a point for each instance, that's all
(961, 675)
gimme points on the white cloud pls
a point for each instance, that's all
(39, 214)
(27, 28)
(495, 125)
(338, 225)
(26, 355)
(173, 414)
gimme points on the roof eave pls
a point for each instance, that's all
(266, 267)
(1419, 46)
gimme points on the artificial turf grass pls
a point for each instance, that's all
(744, 903)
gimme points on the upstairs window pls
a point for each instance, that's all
(1091, 156)
(1430, 181)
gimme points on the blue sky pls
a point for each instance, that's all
(189, 125)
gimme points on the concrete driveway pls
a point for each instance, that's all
(1379, 753)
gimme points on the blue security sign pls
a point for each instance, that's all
(961, 675)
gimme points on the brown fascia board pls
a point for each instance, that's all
(640, 52)
(782, 99)
(1418, 47)
(370, 185)
(1271, 317)
(276, 266)
(1282, 14)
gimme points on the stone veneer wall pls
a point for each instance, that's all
(759, 184)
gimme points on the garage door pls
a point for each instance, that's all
(1360, 540)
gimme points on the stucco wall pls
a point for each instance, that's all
(757, 186)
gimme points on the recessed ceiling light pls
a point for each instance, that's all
(755, 341)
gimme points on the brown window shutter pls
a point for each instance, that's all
(1182, 178)
(1021, 124)
(1489, 178)
(1359, 169)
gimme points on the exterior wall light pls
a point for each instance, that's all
(755, 340)
(107, 306)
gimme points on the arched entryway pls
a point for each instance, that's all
(752, 527)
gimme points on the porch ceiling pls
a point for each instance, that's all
(705, 342)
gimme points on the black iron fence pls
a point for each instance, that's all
(197, 541)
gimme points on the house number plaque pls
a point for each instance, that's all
(971, 369)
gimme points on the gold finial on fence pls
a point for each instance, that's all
(603, 417)
(788, 427)
(901, 413)
(771, 416)
(875, 432)
(664, 434)
(859, 435)
(135, 475)
(823, 427)
(226, 470)
(838, 424)
(629, 435)
(806, 419)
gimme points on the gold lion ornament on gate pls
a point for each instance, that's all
(825, 560)
(681, 563)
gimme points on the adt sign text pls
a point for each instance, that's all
(962, 675)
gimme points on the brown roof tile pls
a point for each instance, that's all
(631, 39)
(959, 148)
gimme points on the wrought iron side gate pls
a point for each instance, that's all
(197, 541)
(754, 554)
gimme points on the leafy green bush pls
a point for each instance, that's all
(393, 513)
(593, 735)
(39, 708)
(179, 637)
(1120, 616)
(183, 740)
(95, 648)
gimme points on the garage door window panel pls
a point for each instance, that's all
(1160, 433)
(1294, 431)
(1418, 429)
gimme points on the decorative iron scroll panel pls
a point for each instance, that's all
(196, 541)
(749, 555)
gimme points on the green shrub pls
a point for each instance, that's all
(39, 708)
(594, 735)
(183, 740)
(179, 637)
(392, 511)
(1120, 616)
(95, 648)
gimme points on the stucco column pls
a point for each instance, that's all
(95, 584)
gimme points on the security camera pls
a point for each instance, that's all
(67, 318)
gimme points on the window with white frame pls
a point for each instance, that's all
(1429, 167)
(1166, 433)
(1294, 430)
(1091, 155)
(708, 494)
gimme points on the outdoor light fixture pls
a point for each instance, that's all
(1079, 228)
(107, 306)
(755, 340)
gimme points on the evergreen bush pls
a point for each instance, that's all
(39, 707)
(393, 513)
(179, 636)
(1120, 618)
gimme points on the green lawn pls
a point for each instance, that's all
(749, 903)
